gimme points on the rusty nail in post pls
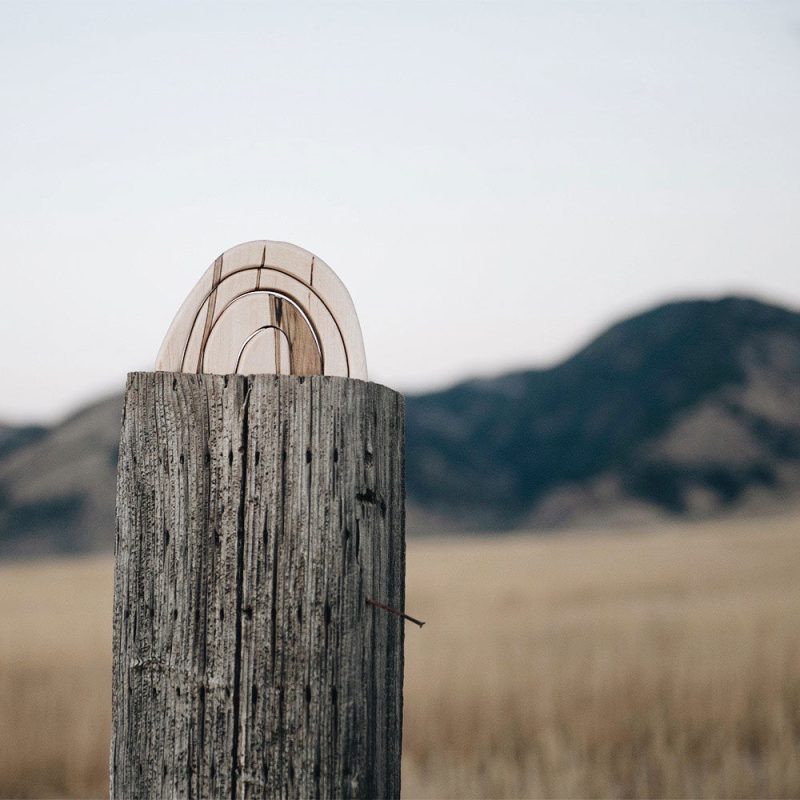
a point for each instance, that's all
(391, 610)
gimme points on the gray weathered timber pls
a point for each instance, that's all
(255, 515)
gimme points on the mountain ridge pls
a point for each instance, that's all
(597, 410)
(689, 409)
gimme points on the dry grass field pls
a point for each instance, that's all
(651, 664)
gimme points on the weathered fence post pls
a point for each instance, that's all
(257, 516)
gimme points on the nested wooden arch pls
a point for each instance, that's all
(266, 307)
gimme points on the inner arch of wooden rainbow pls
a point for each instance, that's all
(266, 307)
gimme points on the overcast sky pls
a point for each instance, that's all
(493, 182)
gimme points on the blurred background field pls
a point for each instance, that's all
(570, 233)
(661, 661)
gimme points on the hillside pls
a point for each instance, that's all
(690, 409)
(57, 488)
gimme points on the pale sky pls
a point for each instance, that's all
(493, 182)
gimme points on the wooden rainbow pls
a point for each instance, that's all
(266, 307)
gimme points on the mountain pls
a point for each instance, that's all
(57, 488)
(12, 437)
(690, 409)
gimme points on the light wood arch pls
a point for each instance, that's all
(266, 307)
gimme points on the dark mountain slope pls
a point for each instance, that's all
(13, 437)
(57, 492)
(490, 452)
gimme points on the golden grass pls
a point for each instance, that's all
(661, 664)
(651, 664)
(55, 678)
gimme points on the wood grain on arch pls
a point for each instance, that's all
(224, 324)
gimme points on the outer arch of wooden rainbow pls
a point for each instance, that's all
(308, 286)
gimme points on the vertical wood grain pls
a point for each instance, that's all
(255, 515)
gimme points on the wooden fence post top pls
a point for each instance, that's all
(266, 307)
(259, 589)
